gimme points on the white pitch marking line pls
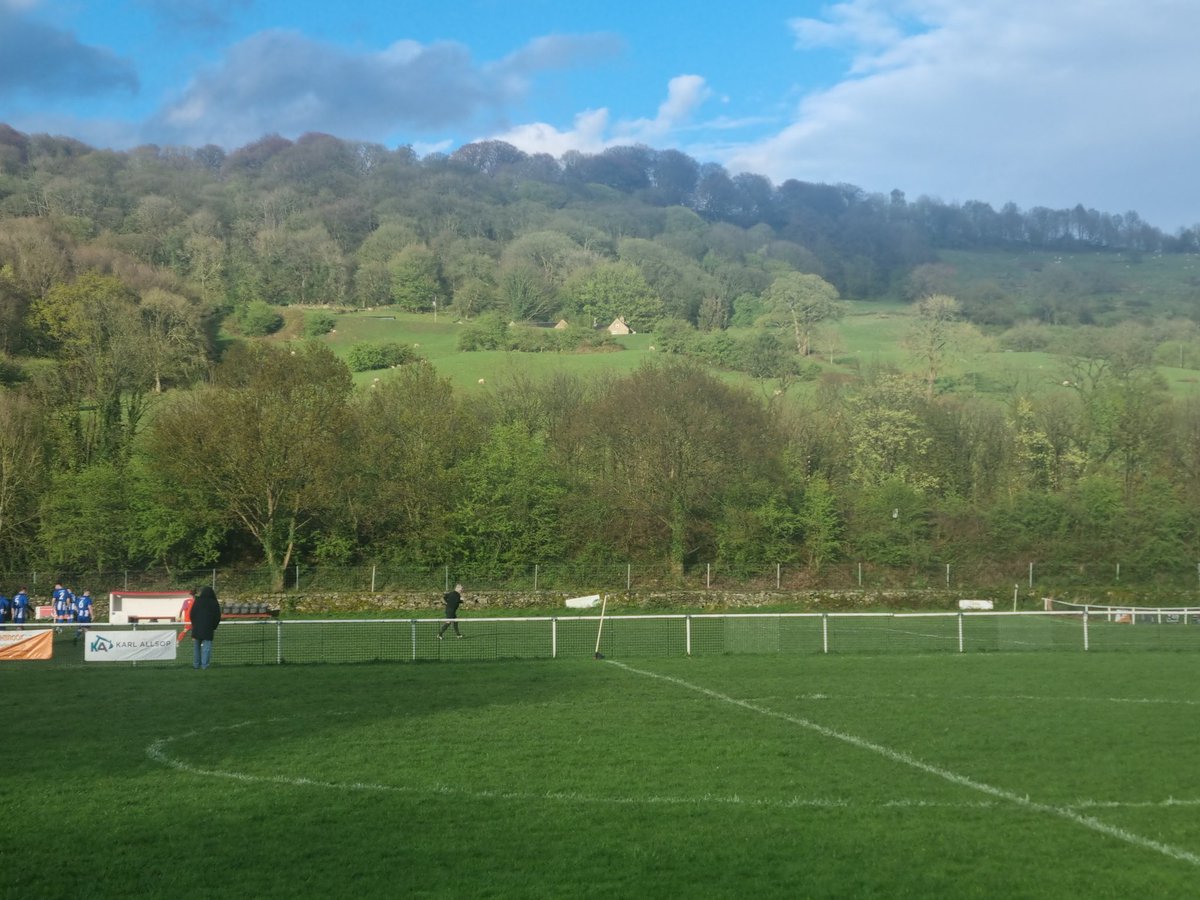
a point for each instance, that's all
(1062, 812)
(157, 751)
(995, 698)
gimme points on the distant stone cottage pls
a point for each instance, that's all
(620, 326)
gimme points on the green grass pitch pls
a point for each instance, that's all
(898, 775)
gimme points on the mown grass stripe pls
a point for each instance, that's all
(898, 756)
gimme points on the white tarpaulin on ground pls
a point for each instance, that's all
(584, 602)
(123, 646)
(975, 604)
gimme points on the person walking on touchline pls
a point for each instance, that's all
(452, 600)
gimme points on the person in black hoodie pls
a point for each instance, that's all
(206, 616)
(452, 600)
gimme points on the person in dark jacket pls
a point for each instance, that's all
(206, 616)
(452, 600)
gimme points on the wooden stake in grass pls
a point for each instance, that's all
(600, 627)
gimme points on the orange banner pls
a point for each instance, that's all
(27, 644)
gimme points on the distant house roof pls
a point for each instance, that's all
(619, 326)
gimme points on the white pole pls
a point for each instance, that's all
(600, 627)
(778, 576)
(1015, 588)
(707, 576)
(535, 576)
(1031, 576)
(372, 579)
(947, 576)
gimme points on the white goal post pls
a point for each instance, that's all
(1129, 615)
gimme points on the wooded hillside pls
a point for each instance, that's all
(148, 421)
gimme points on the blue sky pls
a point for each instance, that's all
(1041, 103)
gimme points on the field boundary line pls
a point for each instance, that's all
(157, 752)
(1062, 812)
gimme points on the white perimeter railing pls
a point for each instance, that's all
(279, 641)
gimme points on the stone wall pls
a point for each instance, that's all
(423, 602)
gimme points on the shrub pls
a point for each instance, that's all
(488, 332)
(258, 319)
(674, 336)
(318, 323)
(368, 357)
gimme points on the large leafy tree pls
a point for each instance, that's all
(400, 486)
(800, 303)
(935, 334)
(105, 374)
(508, 514)
(23, 472)
(671, 447)
(263, 442)
(608, 290)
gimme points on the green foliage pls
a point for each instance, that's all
(416, 279)
(369, 357)
(318, 323)
(890, 523)
(755, 533)
(609, 290)
(820, 522)
(508, 509)
(84, 518)
(263, 443)
(800, 303)
(674, 336)
(488, 332)
(1068, 445)
(257, 318)
(748, 309)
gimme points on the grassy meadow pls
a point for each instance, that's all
(1116, 286)
(984, 775)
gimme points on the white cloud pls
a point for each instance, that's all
(587, 135)
(1050, 104)
(282, 81)
(594, 130)
(685, 94)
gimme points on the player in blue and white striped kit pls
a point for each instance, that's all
(20, 603)
(64, 604)
(83, 613)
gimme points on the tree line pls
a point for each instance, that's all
(276, 457)
(135, 432)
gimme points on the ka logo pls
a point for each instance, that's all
(101, 644)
